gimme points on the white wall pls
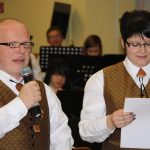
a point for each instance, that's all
(99, 17)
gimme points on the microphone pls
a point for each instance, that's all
(26, 73)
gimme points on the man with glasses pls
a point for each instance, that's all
(102, 115)
(54, 36)
(14, 44)
(19, 129)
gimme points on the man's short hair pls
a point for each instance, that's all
(52, 28)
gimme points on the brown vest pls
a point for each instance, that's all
(23, 137)
(118, 85)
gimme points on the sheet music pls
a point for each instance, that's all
(137, 134)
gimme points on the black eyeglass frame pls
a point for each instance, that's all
(10, 44)
(136, 45)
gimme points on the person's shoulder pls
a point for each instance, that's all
(96, 76)
(51, 96)
(95, 82)
(114, 66)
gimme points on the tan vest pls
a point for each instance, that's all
(23, 137)
(118, 85)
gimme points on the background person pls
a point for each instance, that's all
(92, 46)
(35, 66)
(36, 69)
(54, 36)
(57, 75)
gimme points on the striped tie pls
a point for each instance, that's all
(141, 74)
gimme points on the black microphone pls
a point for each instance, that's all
(26, 73)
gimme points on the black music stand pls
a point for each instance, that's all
(71, 101)
(111, 59)
(46, 51)
(81, 67)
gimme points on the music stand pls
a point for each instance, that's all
(71, 101)
(80, 67)
(46, 51)
(111, 59)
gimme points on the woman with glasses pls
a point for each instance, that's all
(102, 115)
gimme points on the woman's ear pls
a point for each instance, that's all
(122, 43)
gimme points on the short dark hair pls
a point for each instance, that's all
(57, 65)
(52, 28)
(136, 22)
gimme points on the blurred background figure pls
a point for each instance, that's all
(35, 66)
(92, 46)
(57, 75)
(54, 36)
(36, 69)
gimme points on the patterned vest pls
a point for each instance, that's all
(117, 86)
(23, 137)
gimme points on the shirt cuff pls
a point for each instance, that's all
(107, 130)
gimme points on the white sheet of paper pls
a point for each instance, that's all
(137, 134)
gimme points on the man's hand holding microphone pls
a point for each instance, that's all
(30, 93)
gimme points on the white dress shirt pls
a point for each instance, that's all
(13, 112)
(92, 126)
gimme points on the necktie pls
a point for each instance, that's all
(141, 74)
(18, 85)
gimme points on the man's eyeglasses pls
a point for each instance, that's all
(27, 45)
(138, 45)
(54, 37)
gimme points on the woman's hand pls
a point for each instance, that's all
(120, 119)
